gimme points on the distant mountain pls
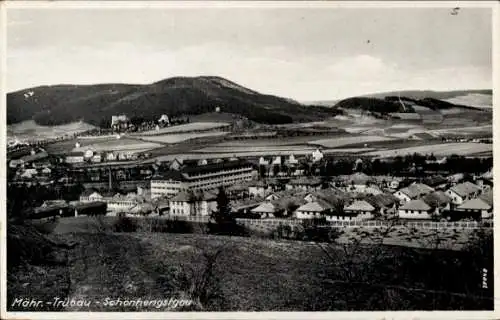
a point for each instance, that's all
(407, 101)
(457, 96)
(95, 104)
(421, 94)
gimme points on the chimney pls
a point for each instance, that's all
(110, 186)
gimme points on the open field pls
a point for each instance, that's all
(118, 145)
(450, 239)
(193, 126)
(67, 146)
(179, 137)
(442, 149)
(260, 274)
(341, 141)
(31, 131)
(292, 148)
(477, 100)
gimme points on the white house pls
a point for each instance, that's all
(273, 197)
(88, 154)
(265, 210)
(317, 155)
(259, 188)
(310, 210)
(394, 184)
(176, 164)
(415, 209)
(305, 184)
(96, 158)
(91, 196)
(193, 204)
(29, 173)
(357, 182)
(413, 192)
(111, 156)
(16, 163)
(277, 161)
(263, 162)
(292, 160)
(164, 119)
(75, 157)
(202, 162)
(462, 192)
(456, 178)
(477, 206)
(360, 210)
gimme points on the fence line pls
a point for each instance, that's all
(343, 224)
(371, 224)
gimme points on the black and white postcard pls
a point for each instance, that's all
(217, 159)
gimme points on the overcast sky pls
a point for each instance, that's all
(304, 54)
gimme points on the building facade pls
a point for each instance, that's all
(201, 178)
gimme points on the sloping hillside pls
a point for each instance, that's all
(420, 94)
(473, 98)
(399, 104)
(95, 104)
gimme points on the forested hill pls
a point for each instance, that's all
(95, 104)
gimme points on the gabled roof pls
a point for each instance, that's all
(359, 205)
(418, 205)
(107, 194)
(417, 189)
(183, 196)
(487, 197)
(206, 196)
(75, 154)
(312, 207)
(84, 205)
(465, 189)
(258, 184)
(265, 207)
(170, 175)
(87, 192)
(382, 200)
(327, 194)
(475, 204)
(435, 180)
(305, 181)
(487, 175)
(215, 167)
(35, 157)
(359, 178)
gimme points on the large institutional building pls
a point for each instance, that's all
(200, 178)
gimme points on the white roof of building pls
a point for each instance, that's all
(417, 205)
(475, 204)
(360, 205)
(416, 190)
(465, 189)
(265, 207)
(311, 207)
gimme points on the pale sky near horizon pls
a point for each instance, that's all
(304, 54)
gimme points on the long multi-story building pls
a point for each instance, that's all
(200, 178)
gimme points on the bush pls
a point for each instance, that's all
(230, 228)
(125, 224)
(165, 226)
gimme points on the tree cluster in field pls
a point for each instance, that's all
(415, 165)
(21, 199)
